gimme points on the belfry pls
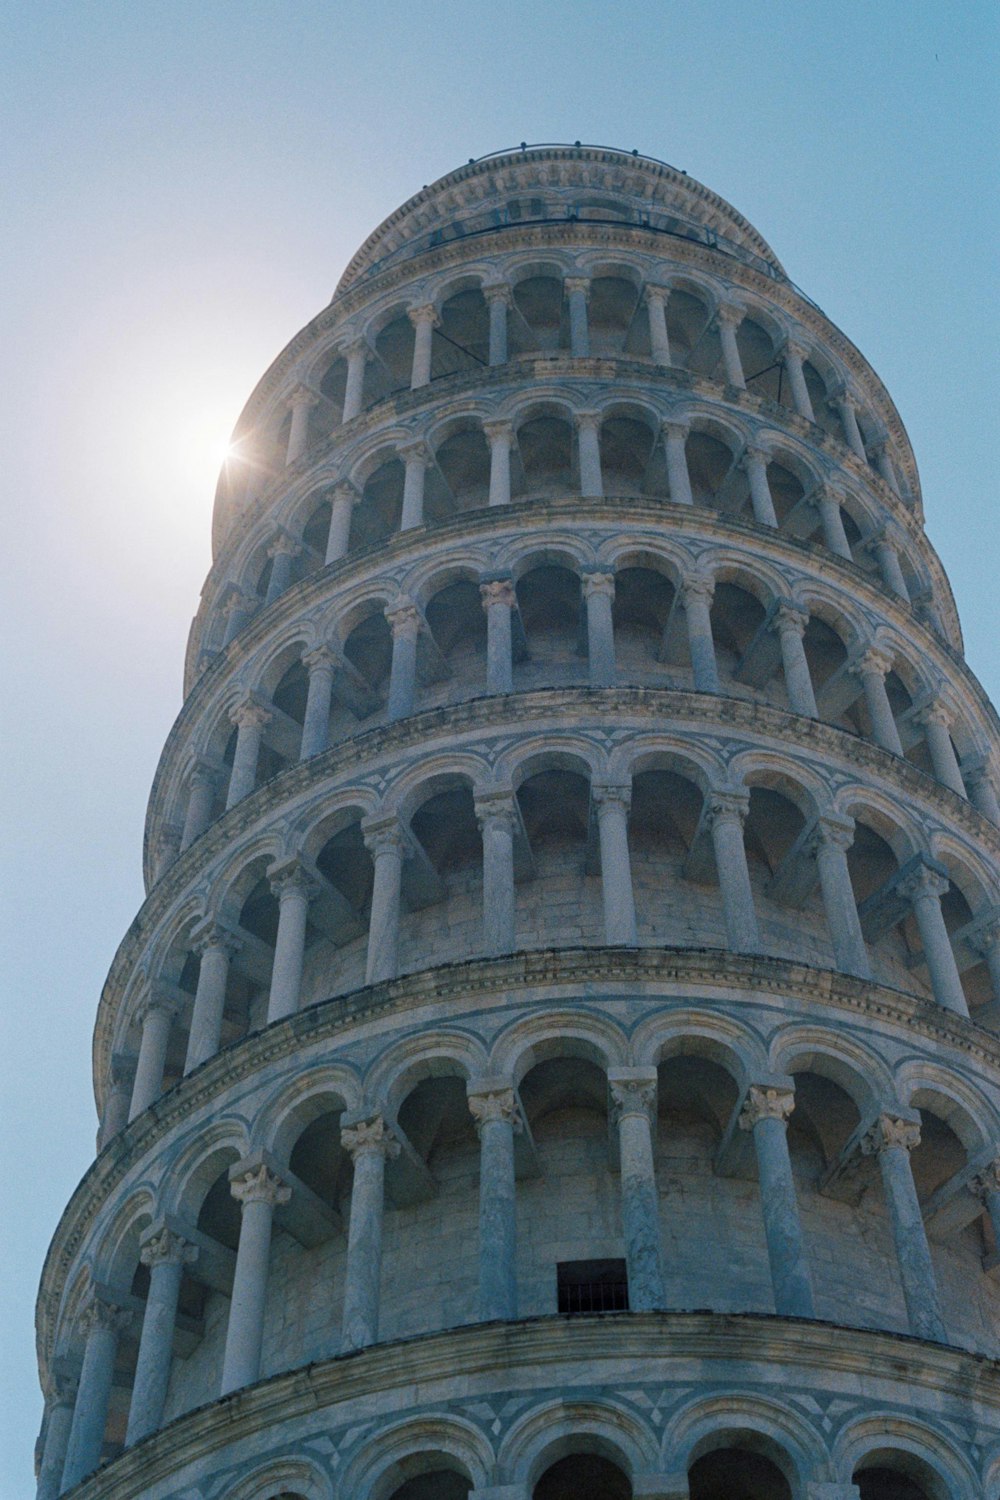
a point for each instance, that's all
(557, 1055)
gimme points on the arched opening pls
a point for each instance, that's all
(461, 480)
(445, 882)
(632, 461)
(315, 536)
(457, 623)
(787, 492)
(550, 605)
(554, 805)
(393, 358)
(545, 451)
(663, 819)
(612, 310)
(336, 964)
(716, 482)
(735, 1473)
(540, 317)
(583, 1476)
(436, 1484)
(783, 876)
(892, 1474)
(377, 516)
(462, 337)
(737, 616)
(819, 399)
(694, 343)
(641, 611)
(763, 370)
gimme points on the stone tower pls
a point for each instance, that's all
(557, 1053)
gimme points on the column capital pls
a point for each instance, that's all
(498, 430)
(403, 617)
(346, 491)
(985, 1182)
(497, 291)
(834, 831)
(320, 659)
(890, 1130)
(495, 805)
(984, 934)
(354, 345)
(676, 427)
(766, 1102)
(497, 591)
(283, 545)
(210, 933)
(598, 581)
(234, 600)
(754, 452)
(577, 284)
(793, 348)
(492, 1102)
(287, 876)
(159, 997)
(415, 450)
(303, 395)
(883, 536)
(368, 1134)
(383, 833)
(587, 421)
(728, 806)
(653, 292)
(935, 711)
(251, 712)
(874, 660)
(632, 1091)
(425, 312)
(698, 586)
(162, 1245)
(928, 879)
(731, 313)
(201, 768)
(611, 794)
(791, 616)
(101, 1311)
(256, 1182)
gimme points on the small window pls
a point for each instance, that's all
(592, 1286)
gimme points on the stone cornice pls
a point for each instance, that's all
(551, 971)
(663, 1342)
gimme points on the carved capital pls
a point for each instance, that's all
(344, 493)
(383, 836)
(577, 284)
(283, 545)
(676, 431)
(986, 1182)
(415, 451)
(764, 1102)
(874, 661)
(258, 1184)
(495, 1104)
(290, 877)
(320, 659)
(496, 808)
(163, 1246)
(499, 431)
(497, 291)
(632, 1096)
(608, 794)
(369, 1136)
(653, 293)
(889, 1131)
(425, 313)
(732, 806)
(934, 712)
(303, 395)
(791, 618)
(794, 348)
(211, 934)
(100, 1313)
(250, 714)
(161, 999)
(404, 619)
(698, 587)
(588, 421)
(925, 881)
(834, 832)
(729, 312)
(596, 581)
(497, 591)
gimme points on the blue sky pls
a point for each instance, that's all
(184, 183)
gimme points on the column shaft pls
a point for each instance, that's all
(798, 679)
(497, 825)
(832, 522)
(496, 1119)
(413, 487)
(588, 428)
(578, 291)
(599, 592)
(294, 891)
(849, 950)
(942, 752)
(728, 323)
(697, 613)
(250, 720)
(498, 299)
(916, 1270)
(616, 870)
(166, 1254)
(734, 881)
(500, 436)
(938, 953)
(760, 490)
(341, 510)
(209, 1000)
(156, 1024)
(423, 320)
(405, 623)
(53, 1463)
(659, 338)
(259, 1192)
(498, 601)
(884, 730)
(200, 805)
(90, 1414)
(357, 357)
(369, 1143)
(797, 380)
(765, 1114)
(633, 1104)
(386, 848)
(678, 478)
(316, 720)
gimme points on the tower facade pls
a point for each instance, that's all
(557, 1053)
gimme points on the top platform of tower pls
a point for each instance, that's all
(556, 184)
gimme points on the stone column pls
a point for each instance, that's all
(250, 717)
(588, 428)
(321, 664)
(832, 522)
(696, 595)
(612, 803)
(258, 1191)
(166, 849)
(368, 1141)
(416, 456)
(215, 947)
(498, 598)
(356, 354)
(675, 436)
(166, 1254)
(790, 623)
(102, 1322)
(121, 1082)
(978, 779)
(495, 814)
(873, 668)
(727, 813)
(282, 552)
(755, 464)
(599, 593)
(301, 402)
(633, 1111)
(424, 320)
(495, 1112)
(498, 299)
(202, 788)
(795, 356)
(884, 464)
(404, 622)
(57, 1430)
(294, 889)
(985, 1186)
(659, 339)
(500, 436)
(728, 320)
(936, 723)
(844, 402)
(834, 836)
(883, 549)
(766, 1113)
(343, 498)
(384, 841)
(157, 1016)
(237, 609)
(891, 1139)
(578, 293)
(924, 889)
(986, 941)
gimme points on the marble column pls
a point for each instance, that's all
(237, 609)
(578, 294)
(369, 1142)
(215, 947)
(986, 942)
(696, 596)
(404, 622)
(343, 498)
(282, 552)
(612, 803)
(755, 465)
(250, 718)
(356, 354)
(498, 300)
(258, 1191)
(588, 428)
(675, 436)
(891, 1139)
(656, 308)
(633, 1111)
(885, 552)
(978, 779)
(883, 462)
(727, 813)
(924, 889)
(985, 1186)
(166, 848)
(294, 889)
(424, 320)
(790, 623)
(384, 840)
(834, 836)
(766, 1113)
(873, 667)
(156, 1016)
(844, 402)
(121, 1082)
(416, 456)
(166, 1254)
(496, 816)
(795, 357)
(500, 436)
(936, 722)
(301, 402)
(202, 789)
(499, 599)
(321, 664)
(728, 319)
(497, 1118)
(599, 593)
(101, 1322)
(57, 1430)
(832, 522)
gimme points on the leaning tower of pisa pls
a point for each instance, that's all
(557, 1055)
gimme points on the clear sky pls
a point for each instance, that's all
(184, 182)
